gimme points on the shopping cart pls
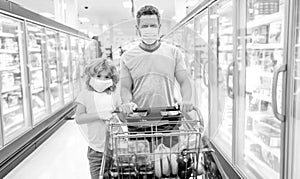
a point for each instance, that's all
(155, 143)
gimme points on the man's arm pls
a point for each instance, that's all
(126, 85)
(125, 91)
(185, 90)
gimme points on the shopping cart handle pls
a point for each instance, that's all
(139, 110)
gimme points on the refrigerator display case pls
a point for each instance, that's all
(295, 156)
(75, 65)
(201, 71)
(66, 67)
(13, 117)
(264, 53)
(54, 74)
(32, 103)
(36, 62)
(221, 46)
(82, 61)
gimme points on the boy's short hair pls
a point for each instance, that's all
(147, 10)
(98, 65)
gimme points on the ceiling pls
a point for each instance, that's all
(103, 14)
(109, 20)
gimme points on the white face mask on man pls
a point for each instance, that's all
(149, 35)
(100, 85)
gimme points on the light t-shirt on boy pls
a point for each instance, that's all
(153, 74)
(102, 104)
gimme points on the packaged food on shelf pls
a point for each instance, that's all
(13, 100)
(37, 79)
(53, 76)
(7, 60)
(32, 41)
(260, 34)
(275, 32)
(265, 7)
(270, 159)
(8, 81)
(35, 60)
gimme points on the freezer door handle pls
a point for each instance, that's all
(277, 71)
(205, 81)
(229, 73)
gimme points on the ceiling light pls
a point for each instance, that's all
(127, 4)
(83, 19)
(47, 14)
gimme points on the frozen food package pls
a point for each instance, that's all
(132, 151)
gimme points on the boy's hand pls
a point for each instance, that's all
(127, 108)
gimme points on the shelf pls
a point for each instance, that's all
(3, 34)
(52, 66)
(11, 68)
(38, 90)
(264, 46)
(7, 51)
(263, 97)
(39, 110)
(266, 74)
(225, 48)
(256, 140)
(34, 50)
(260, 166)
(10, 110)
(261, 116)
(264, 20)
(35, 68)
(65, 81)
(11, 89)
(297, 78)
(53, 85)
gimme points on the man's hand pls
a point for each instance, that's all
(127, 108)
(185, 106)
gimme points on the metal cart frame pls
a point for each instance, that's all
(136, 153)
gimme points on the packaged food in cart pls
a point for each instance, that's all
(141, 152)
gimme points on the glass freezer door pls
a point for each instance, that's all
(264, 54)
(13, 119)
(221, 60)
(36, 63)
(53, 70)
(82, 61)
(66, 67)
(201, 67)
(75, 65)
(296, 100)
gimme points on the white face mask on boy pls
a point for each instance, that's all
(149, 35)
(100, 85)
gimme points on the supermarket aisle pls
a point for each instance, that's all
(62, 156)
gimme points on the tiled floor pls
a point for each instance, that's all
(62, 156)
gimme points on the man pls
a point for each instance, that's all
(149, 70)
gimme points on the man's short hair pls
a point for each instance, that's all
(147, 10)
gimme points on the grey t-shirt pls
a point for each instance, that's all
(152, 74)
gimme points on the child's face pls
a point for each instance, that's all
(103, 75)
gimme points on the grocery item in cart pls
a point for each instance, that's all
(132, 151)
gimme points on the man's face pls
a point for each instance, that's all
(148, 28)
(148, 21)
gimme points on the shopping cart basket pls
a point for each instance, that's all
(143, 145)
